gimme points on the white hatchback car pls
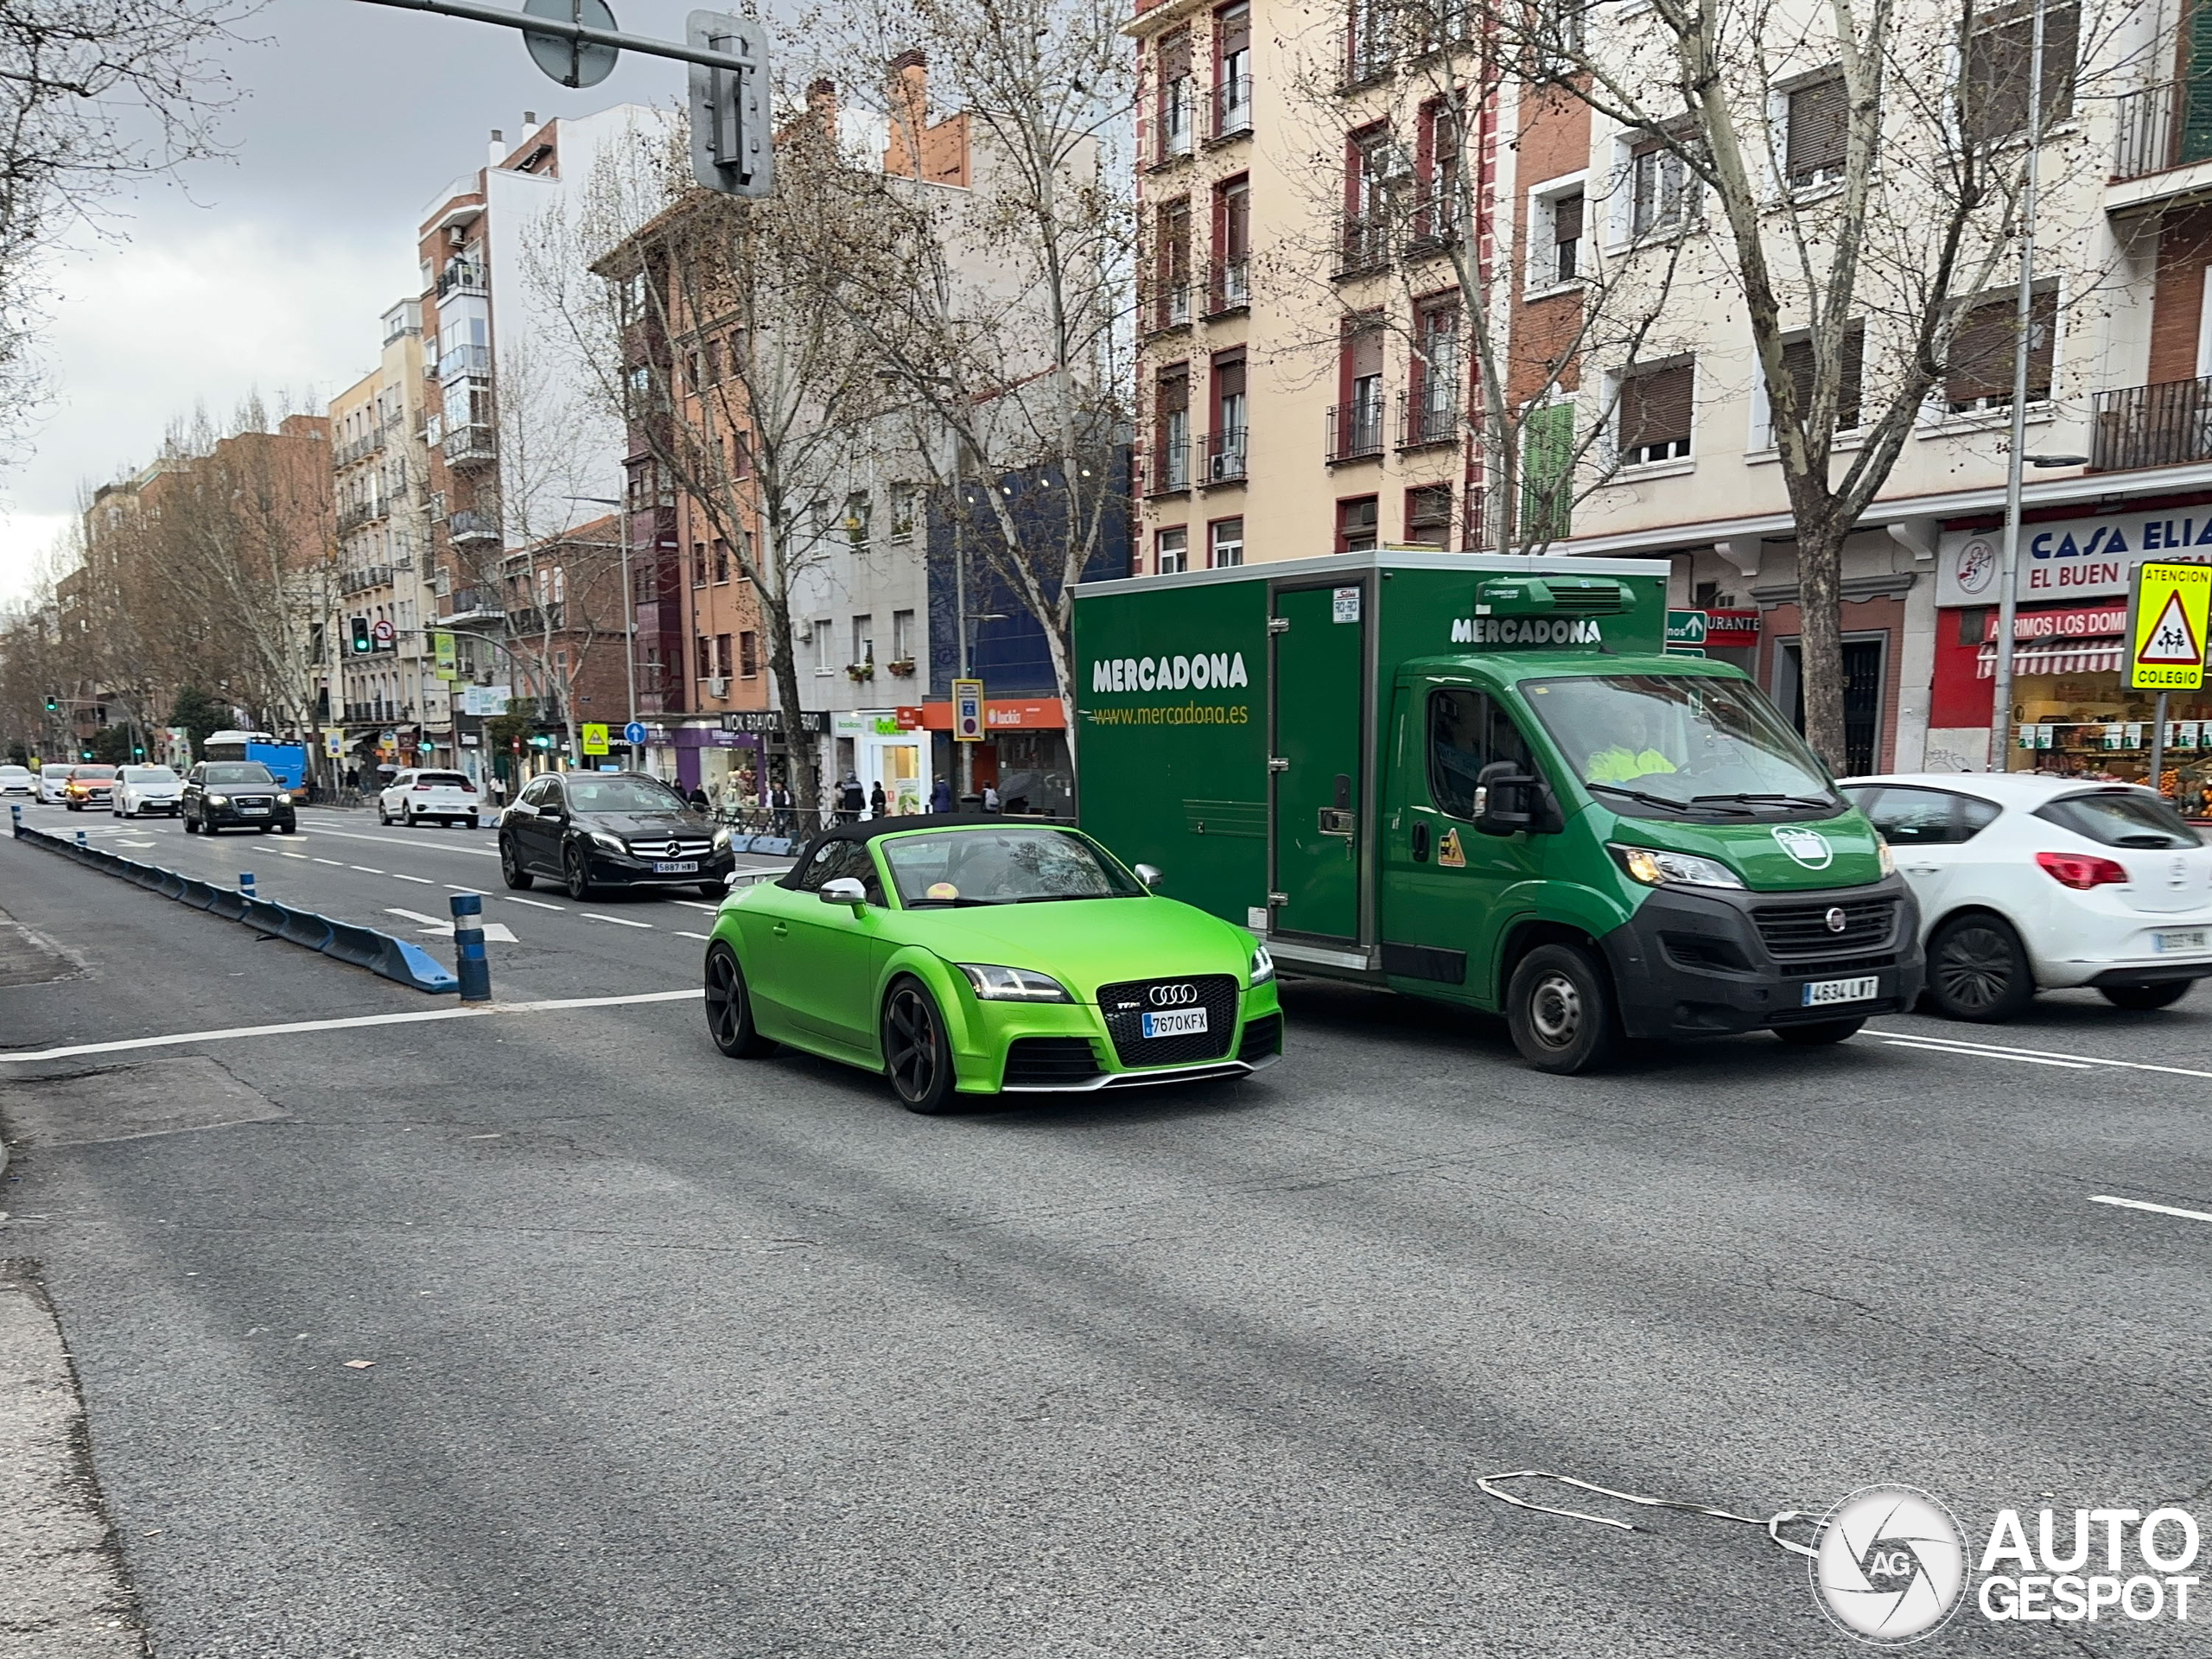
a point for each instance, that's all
(416, 795)
(147, 789)
(18, 780)
(2027, 883)
(53, 783)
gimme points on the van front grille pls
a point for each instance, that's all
(1807, 930)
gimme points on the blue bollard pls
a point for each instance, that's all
(16, 820)
(82, 842)
(245, 884)
(470, 964)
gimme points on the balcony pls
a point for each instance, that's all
(464, 527)
(1229, 287)
(356, 581)
(1363, 245)
(1354, 431)
(2164, 145)
(356, 450)
(470, 446)
(1426, 421)
(1225, 456)
(462, 276)
(472, 608)
(1436, 218)
(465, 359)
(354, 514)
(1168, 307)
(1172, 141)
(378, 711)
(1167, 472)
(1232, 108)
(2164, 425)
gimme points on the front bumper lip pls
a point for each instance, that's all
(1206, 1069)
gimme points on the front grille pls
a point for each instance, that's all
(678, 846)
(1837, 967)
(1045, 1062)
(1803, 930)
(1124, 1006)
(243, 802)
(1263, 1037)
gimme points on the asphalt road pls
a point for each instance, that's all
(672, 1353)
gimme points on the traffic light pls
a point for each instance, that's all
(137, 751)
(53, 703)
(84, 754)
(541, 740)
(732, 132)
(362, 644)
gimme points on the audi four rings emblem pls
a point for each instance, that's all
(1168, 996)
(1835, 918)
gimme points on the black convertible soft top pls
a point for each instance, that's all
(867, 829)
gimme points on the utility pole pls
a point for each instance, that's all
(629, 616)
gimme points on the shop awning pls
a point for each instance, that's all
(1028, 715)
(2067, 656)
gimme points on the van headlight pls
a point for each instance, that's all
(1661, 870)
(1263, 965)
(996, 984)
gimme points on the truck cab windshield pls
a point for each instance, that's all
(1682, 745)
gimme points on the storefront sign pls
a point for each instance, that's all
(769, 722)
(484, 699)
(2166, 640)
(1731, 630)
(1029, 714)
(2072, 622)
(2071, 558)
(909, 716)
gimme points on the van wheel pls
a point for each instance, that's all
(2163, 994)
(1818, 1034)
(1560, 1008)
(1978, 971)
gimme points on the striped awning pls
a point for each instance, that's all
(2057, 657)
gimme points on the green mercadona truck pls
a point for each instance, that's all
(1484, 781)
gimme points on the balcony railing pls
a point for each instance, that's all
(355, 581)
(1168, 307)
(1173, 139)
(1224, 456)
(376, 711)
(461, 276)
(1168, 469)
(2161, 127)
(465, 359)
(1426, 420)
(1364, 244)
(354, 514)
(1229, 286)
(464, 527)
(1355, 430)
(1436, 217)
(2166, 425)
(353, 449)
(470, 446)
(1232, 107)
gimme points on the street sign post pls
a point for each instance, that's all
(594, 739)
(572, 61)
(385, 637)
(1686, 631)
(968, 711)
(2166, 618)
(634, 733)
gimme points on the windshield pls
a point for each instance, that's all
(89, 774)
(239, 771)
(1676, 744)
(1003, 866)
(2120, 819)
(623, 795)
(148, 775)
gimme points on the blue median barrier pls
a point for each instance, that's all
(364, 947)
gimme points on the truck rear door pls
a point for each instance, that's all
(1318, 762)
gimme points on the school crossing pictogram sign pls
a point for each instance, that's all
(2166, 631)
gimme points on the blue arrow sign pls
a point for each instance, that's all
(634, 733)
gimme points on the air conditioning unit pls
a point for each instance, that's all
(718, 687)
(804, 633)
(1229, 464)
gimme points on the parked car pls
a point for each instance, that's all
(970, 956)
(53, 781)
(235, 795)
(141, 790)
(88, 786)
(2029, 883)
(592, 830)
(416, 796)
(18, 780)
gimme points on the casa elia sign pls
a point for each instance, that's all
(2071, 558)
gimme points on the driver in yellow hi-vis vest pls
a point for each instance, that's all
(1625, 761)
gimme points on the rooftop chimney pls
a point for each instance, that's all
(499, 146)
(910, 73)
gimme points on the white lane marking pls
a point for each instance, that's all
(694, 904)
(619, 921)
(455, 887)
(364, 869)
(680, 934)
(497, 932)
(420, 880)
(302, 857)
(1926, 1047)
(397, 841)
(2042, 1053)
(120, 843)
(535, 903)
(555, 1006)
(334, 864)
(2155, 1209)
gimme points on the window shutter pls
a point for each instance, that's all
(1566, 218)
(1236, 29)
(1174, 56)
(1365, 349)
(1819, 115)
(1237, 221)
(1981, 352)
(1654, 407)
(1229, 375)
(1175, 392)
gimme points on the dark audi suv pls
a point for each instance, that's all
(235, 795)
(592, 830)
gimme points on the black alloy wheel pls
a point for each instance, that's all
(730, 1008)
(1558, 1007)
(916, 1053)
(1819, 1034)
(575, 876)
(1978, 971)
(2162, 994)
(511, 869)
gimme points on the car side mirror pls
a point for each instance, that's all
(1507, 799)
(1151, 875)
(843, 891)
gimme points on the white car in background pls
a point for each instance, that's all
(147, 789)
(416, 795)
(2027, 883)
(18, 780)
(52, 781)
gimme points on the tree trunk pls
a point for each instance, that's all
(1820, 612)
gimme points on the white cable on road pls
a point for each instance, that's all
(1771, 1525)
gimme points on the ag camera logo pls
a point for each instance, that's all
(1890, 1567)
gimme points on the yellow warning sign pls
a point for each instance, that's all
(594, 739)
(1448, 853)
(2166, 631)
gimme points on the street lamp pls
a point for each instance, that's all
(629, 619)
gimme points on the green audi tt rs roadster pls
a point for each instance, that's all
(970, 955)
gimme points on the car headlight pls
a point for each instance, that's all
(996, 984)
(219, 800)
(722, 839)
(283, 800)
(1657, 869)
(1263, 965)
(1887, 855)
(612, 843)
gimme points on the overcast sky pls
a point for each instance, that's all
(270, 273)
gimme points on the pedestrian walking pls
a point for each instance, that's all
(991, 798)
(941, 797)
(779, 802)
(875, 801)
(353, 777)
(698, 798)
(851, 802)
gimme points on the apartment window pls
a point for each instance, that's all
(1660, 188)
(1994, 95)
(698, 564)
(1555, 238)
(1547, 473)
(1376, 174)
(858, 510)
(1429, 515)
(1436, 165)
(825, 646)
(1357, 523)
(748, 654)
(863, 639)
(1819, 117)
(1174, 106)
(1368, 43)
(721, 560)
(902, 636)
(1360, 416)
(1435, 403)
(1228, 437)
(1172, 265)
(1171, 552)
(1653, 416)
(1797, 364)
(1982, 350)
(706, 656)
(1232, 90)
(902, 512)
(1232, 242)
(1172, 464)
(1227, 537)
